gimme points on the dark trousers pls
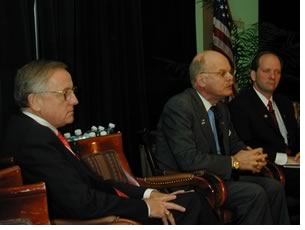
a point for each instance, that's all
(292, 188)
(257, 200)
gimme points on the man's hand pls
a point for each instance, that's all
(160, 206)
(297, 157)
(294, 160)
(251, 159)
(157, 194)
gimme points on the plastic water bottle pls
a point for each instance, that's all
(91, 133)
(78, 135)
(110, 128)
(101, 131)
(68, 137)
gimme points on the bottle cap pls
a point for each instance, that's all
(67, 135)
(93, 128)
(101, 128)
(78, 132)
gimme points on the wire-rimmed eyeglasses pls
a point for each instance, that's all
(221, 73)
(67, 93)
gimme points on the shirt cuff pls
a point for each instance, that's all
(281, 158)
(146, 195)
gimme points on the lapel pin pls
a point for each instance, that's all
(265, 116)
(202, 122)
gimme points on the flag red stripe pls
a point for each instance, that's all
(222, 36)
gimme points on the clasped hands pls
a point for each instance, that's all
(251, 159)
(160, 205)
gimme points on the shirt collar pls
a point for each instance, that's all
(41, 121)
(263, 98)
(205, 102)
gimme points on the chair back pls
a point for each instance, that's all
(106, 157)
(28, 202)
(148, 144)
(21, 202)
(10, 176)
(6, 162)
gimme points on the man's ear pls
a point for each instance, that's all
(201, 81)
(34, 102)
(253, 75)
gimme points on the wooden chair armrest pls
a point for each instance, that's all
(178, 180)
(275, 171)
(6, 162)
(22, 190)
(113, 220)
(10, 177)
(215, 183)
(26, 201)
(169, 181)
(16, 221)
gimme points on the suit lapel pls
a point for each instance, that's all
(262, 111)
(203, 119)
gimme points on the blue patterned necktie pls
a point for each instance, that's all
(214, 125)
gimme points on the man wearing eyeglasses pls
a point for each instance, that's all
(195, 132)
(46, 95)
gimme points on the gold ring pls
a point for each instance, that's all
(167, 213)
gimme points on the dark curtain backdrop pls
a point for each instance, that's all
(16, 48)
(280, 32)
(170, 45)
(113, 49)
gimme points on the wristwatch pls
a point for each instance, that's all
(235, 163)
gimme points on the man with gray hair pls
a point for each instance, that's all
(45, 92)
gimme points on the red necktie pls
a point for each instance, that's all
(270, 109)
(66, 143)
(119, 193)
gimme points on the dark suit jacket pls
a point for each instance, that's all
(185, 139)
(255, 127)
(73, 191)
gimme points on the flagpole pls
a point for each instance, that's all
(36, 30)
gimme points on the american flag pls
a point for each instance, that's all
(222, 22)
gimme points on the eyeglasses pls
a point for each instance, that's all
(67, 93)
(221, 73)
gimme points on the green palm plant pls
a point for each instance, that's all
(245, 45)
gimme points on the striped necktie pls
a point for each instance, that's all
(270, 109)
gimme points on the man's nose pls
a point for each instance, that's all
(74, 99)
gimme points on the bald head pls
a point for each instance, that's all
(211, 75)
(204, 61)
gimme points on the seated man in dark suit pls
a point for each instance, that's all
(45, 93)
(195, 132)
(266, 119)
